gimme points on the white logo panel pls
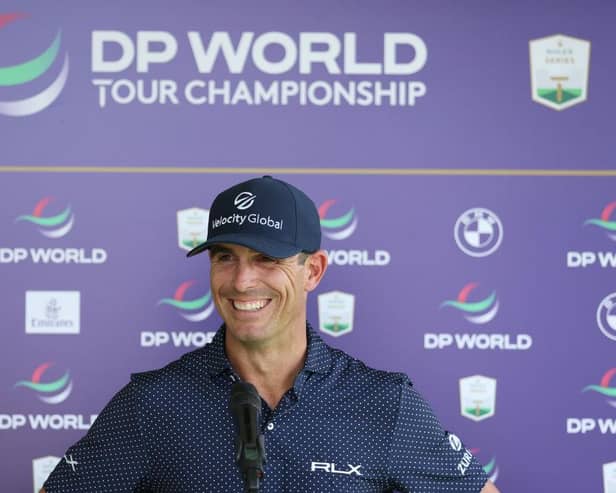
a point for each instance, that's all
(477, 397)
(336, 313)
(41, 469)
(559, 67)
(609, 477)
(192, 227)
(53, 312)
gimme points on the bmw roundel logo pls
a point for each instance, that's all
(478, 232)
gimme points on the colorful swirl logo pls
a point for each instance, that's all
(477, 312)
(604, 386)
(337, 228)
(51, 226)
(491, 469)
(53, 392)
(191, 310)
(30, 70)
(604, 221)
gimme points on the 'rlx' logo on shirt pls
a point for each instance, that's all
(331, 468)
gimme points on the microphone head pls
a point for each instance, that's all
(244, 394)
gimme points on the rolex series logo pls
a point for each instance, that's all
(559, 67)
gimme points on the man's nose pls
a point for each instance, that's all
(245, 276)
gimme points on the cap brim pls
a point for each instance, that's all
(271, 248)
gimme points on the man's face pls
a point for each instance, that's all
(258, 297)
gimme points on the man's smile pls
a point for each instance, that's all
(250, 305)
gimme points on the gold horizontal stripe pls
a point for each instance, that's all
(308, 171)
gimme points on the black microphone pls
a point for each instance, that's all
(245, 405)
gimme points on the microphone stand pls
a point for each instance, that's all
(250, 457)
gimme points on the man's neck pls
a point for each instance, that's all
(271, 367)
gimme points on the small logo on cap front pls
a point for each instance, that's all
(244, 200)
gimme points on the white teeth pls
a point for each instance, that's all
(249, 306)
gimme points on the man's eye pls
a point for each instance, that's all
(222, 257)
(266, 259)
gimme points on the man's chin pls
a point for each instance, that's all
(249, 334)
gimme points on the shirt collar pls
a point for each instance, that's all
(318, 358)
(216, 360)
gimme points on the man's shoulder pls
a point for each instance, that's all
(371, 379)
(189, 367)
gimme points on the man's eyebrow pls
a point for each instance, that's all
(215, 249)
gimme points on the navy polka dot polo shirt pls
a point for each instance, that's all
(342, 428)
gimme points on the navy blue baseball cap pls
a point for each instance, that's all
(266, 215)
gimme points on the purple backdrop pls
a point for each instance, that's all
(89, 197)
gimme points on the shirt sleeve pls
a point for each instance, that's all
(110, 457)
(424, 457)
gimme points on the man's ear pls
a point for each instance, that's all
(315, 267)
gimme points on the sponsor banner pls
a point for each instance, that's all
(583, 259)
(191, 301)
(218, 61)
(606, 390)
(221, 60)
(53, 312)
(86, 256)
(54, 222)
(360, 258)
(173, 106)
(52, 387)
(480, 341)
(559, 67)
(604, 259)
(339, 223)
(54, 422)
(479, 310)
(175, 338)
(602, 426)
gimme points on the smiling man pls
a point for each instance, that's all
(330, 423)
